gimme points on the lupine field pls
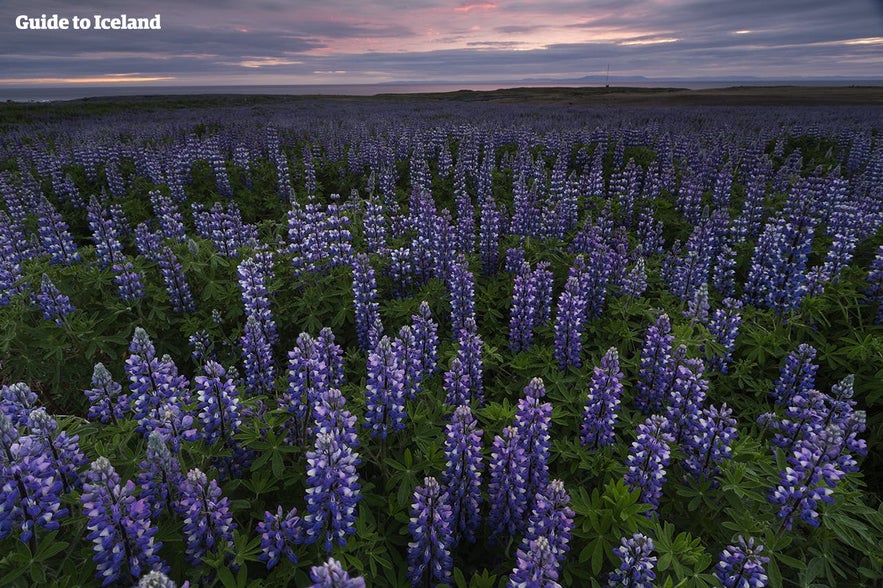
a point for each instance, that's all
(357, 342)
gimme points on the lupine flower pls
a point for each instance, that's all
(63, 450)
(385, 392)
(551, 518)
(797, 375)
(176, 282)
(119, 526)
(166, 212)
(490, 226)
(569, 321)
(260, 374)
(160, 477)
(367, 310)
(157, 579)
(332, 491)
(507, 489)
(278, 533)
(635, 281)
(153, 382)
(533, 418)
(697, 307)
(307, 379)
(636, 569)
(648, 457)
(218, 404)
(16, 402)
(30, 488)
(724, 326)
(106, 403)
(331, 417)
(874, 290)
(602, 404)
(469, 352)
(426, 334)
(128, 281)
(708, 441)
(208, 522)
(686, 396)
(535, 566)
(456, 384)
(524, 309)
(255, 273)
(406, 349)
(429, 554)
(332, 355)
(332, 575)
(814, 469)
(741, 566)
(53, 304)
(657, 366)
(55, 236)
(462, 476)
(462, 294)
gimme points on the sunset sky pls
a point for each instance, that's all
(225, 42)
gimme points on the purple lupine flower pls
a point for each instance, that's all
(490, 227)
(723, 277)
(157, 579)
(62, 449)
(260, 373)
(255, 273)
(456, 384)
(385, 391)
(697, 306)
(551, 518)
(218, 404)
(535, 566)
(332, 491)
(805, 415)
(106, 403)
(176, 282)
(533, 418)
(741, 566)
(648, 457)
(724, 326)
(367, 310)
(462, 476)
(53, 304)
(307, 379)
(797, 375)
(405, 346)
(201, 347)
(542, 282)
(147, 242)
(332, 575)
(569, 325)
(171, 222)
(657, 366)
(374, 226)
(461, 289)
(30, 488)
(105, 233)
(152, 381)
(331, 417)
(16, 402)
(426, 335)
(55, 237)
(524, 309)
(634, 283)
(874, 290)
(636, 569)
(128, 281)
(514, 259)
(685, 397)
(278, 533)
(814, 469)
(507, 489)
(119, 526)
(602, 405)
(469, 352)
(160, 475)
(708, 441)
(208, 522)
(429, 554)
(332, 355)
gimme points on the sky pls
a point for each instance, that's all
(227, 42)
